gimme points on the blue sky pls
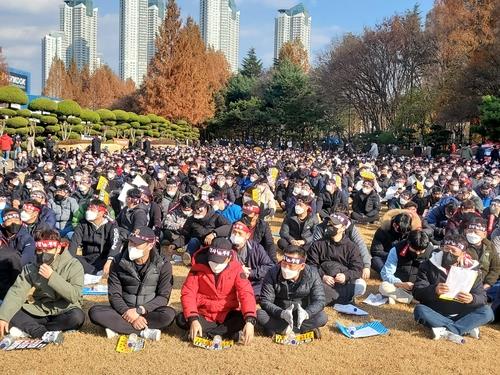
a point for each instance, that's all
(24, 22)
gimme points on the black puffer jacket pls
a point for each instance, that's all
(430, 274)
(368, 205)
(331, 257)
(383, 241)
(10, 268)
(200, 228)
(130, 219)
(291, 228)
(103, 242)
(278, 294)
(150, 288)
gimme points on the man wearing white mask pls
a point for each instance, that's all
(139, 287)
(216, 299)
(292, 297)
(298, 228)
(98, 238)
(252, 256)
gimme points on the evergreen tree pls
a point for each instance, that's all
(251, 66)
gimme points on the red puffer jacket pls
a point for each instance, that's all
(201, 295)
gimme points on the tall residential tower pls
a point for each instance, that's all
(76, 39)
(139, 24)
(292, 24)
(220, 28)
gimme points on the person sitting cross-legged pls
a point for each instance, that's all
(216, 300)
(450, 319)
(292, 296)
(57, 279)
(139, 287)
(338, 261)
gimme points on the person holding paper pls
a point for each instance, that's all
(292, 297)
(476, 234)
(450, 318)
(402, 264)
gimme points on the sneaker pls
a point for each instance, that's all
(317, 333)
(457, 339)
(474, 333)
(54, 337)
(16, 333)
(151, 334)
(186, 259)
(439, 333)
(392, 301)
(110, 334)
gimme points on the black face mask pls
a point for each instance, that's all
(45, 258)
(448, 260)
(59, 198)
(13, 228)
(331, 232)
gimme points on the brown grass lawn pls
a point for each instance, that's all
(407, 349)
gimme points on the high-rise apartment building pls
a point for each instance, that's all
(220, 28)
(292, 24)
(139, 24)
(76, 39)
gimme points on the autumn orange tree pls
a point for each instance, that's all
(295, 52)
(183, 76)
(4, 78)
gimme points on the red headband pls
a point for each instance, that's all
(29, 206)
(242, 227)
(98, 208)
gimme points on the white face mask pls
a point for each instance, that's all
(25, 216)
(329, 188)
(289, 274)
(403, 201)
(215, 207)
(399, 185)
(237, 240)
(366, 191)
(2, 205)
(246, 199)
(198, 216)
(253, 179)
(221, 183)
(135, 253)
(90, 215)
(187, 213)
(296, 191)
(15, 182)
(216, 267)
(299, 210)
(29, 185)
(171, 193)
(77, 178)
(473, 238)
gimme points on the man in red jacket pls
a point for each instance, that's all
(217, 298)
(6, 145)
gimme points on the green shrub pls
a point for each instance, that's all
(53, 128)
(13, 95)
(146, 127)
(96, 127)
(135, 124)
(39, 129)
(17, 122)
(7, 112)
(110, 123)
(149, 133)
(156, 134)
(43, 104)
(133, 117)
(78, 129)
(121, 115)
(24, 112)
(110, 134)
(144, 120)
(49, 120)
(74, 136)
(68, 108)
(90, 116)
(106, 115)
(74, 121)
(36, 115)
(40, 140)
(22, 131)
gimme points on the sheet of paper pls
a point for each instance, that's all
(375, 300)
(459, 280)
(365, 332)
(349, 309)
(91, 279)
(123, 194)
(139, 181)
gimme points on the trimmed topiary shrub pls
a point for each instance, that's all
(68, 108)
(17, 122)
(24, 112)
(13, 95)
(43, 104)
(121, 115)
(7, 112)
(88, 115)
(49, 120)
(106, 115)
(74, 121)
(53, 128)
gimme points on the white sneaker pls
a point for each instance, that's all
(457, 339)
(16, 333)
(439, 333)
(110, 334)
(474, 333)
(55, 337)
(151, 334)
(392, 301)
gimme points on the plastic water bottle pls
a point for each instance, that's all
(6, 342)
(217, 343)
(132, 340)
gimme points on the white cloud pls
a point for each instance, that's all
(28, 6)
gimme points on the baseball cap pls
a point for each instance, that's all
(220, 250)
